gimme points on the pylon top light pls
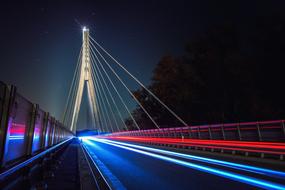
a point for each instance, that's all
(84, 29)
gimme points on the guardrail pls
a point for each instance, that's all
(263, 139)
(26, 130)
(32, 169)
(263, 131)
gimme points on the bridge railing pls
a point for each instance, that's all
(247, 138)
(269, 131)
(25, 129)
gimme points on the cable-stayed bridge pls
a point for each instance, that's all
(39, 152)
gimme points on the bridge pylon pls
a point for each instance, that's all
(85, 78)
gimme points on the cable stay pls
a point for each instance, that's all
(140, 83)
(92, 70)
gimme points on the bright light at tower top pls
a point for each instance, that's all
(84, 29)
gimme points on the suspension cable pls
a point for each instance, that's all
(140, 83)
(98, 104)
(115, 89)
(109, 92)
(102, 101)
(75, 75)
(92, 102)
(119, 78)
(105, 96)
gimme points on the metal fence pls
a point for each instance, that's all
(264, 139)
(264, 131)
(25, 129)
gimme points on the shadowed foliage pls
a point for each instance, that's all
(226, 75)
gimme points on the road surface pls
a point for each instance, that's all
(129, 167)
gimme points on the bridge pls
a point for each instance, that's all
(37, 151)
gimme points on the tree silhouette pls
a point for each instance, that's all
(225, 76)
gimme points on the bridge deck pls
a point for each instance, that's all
(134, 170)
(66, 175)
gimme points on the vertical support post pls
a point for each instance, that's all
(258, 132)
(181, 133)
(190, 132)
(239, 132)
(7, 107)
(44, 131)
(31, 129)
(51, 135)
(198, 129)
(283, 128)
(174, 132)
(210, 132)
(223, 132)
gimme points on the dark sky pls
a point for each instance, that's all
(40, 41)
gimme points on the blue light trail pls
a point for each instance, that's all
(244, 167)
(230, 175)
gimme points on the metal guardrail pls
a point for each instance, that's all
(264, 131)
(258, 148)
(32, 172)
(29, 161)
(263, 139)
(25, 129)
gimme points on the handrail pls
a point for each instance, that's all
(30, 160)
(229, 131)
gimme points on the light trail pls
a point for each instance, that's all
(223, 142)
(230, 175)
(244, 167)
(16, 137)
(258, 147)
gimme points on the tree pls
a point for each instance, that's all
(225, 76)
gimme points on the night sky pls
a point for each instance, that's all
(40, 40)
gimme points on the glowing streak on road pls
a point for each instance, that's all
(259, 170)
(237, 177)
(252, 144)
(258, 147)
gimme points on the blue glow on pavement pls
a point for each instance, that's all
(249, 168)
(230, 175)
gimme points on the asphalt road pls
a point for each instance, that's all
(136, 170)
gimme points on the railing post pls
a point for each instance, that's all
(210, 132)
(198, 129)
(239, 132)
(223, 132)
(44, 131)
(190, 132)
(283, 127)
(181, 132)
(224, 135)
(7, 108)
(163, 134)
(258, 132)
(30, 134)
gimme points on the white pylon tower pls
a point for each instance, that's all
(85, 77)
